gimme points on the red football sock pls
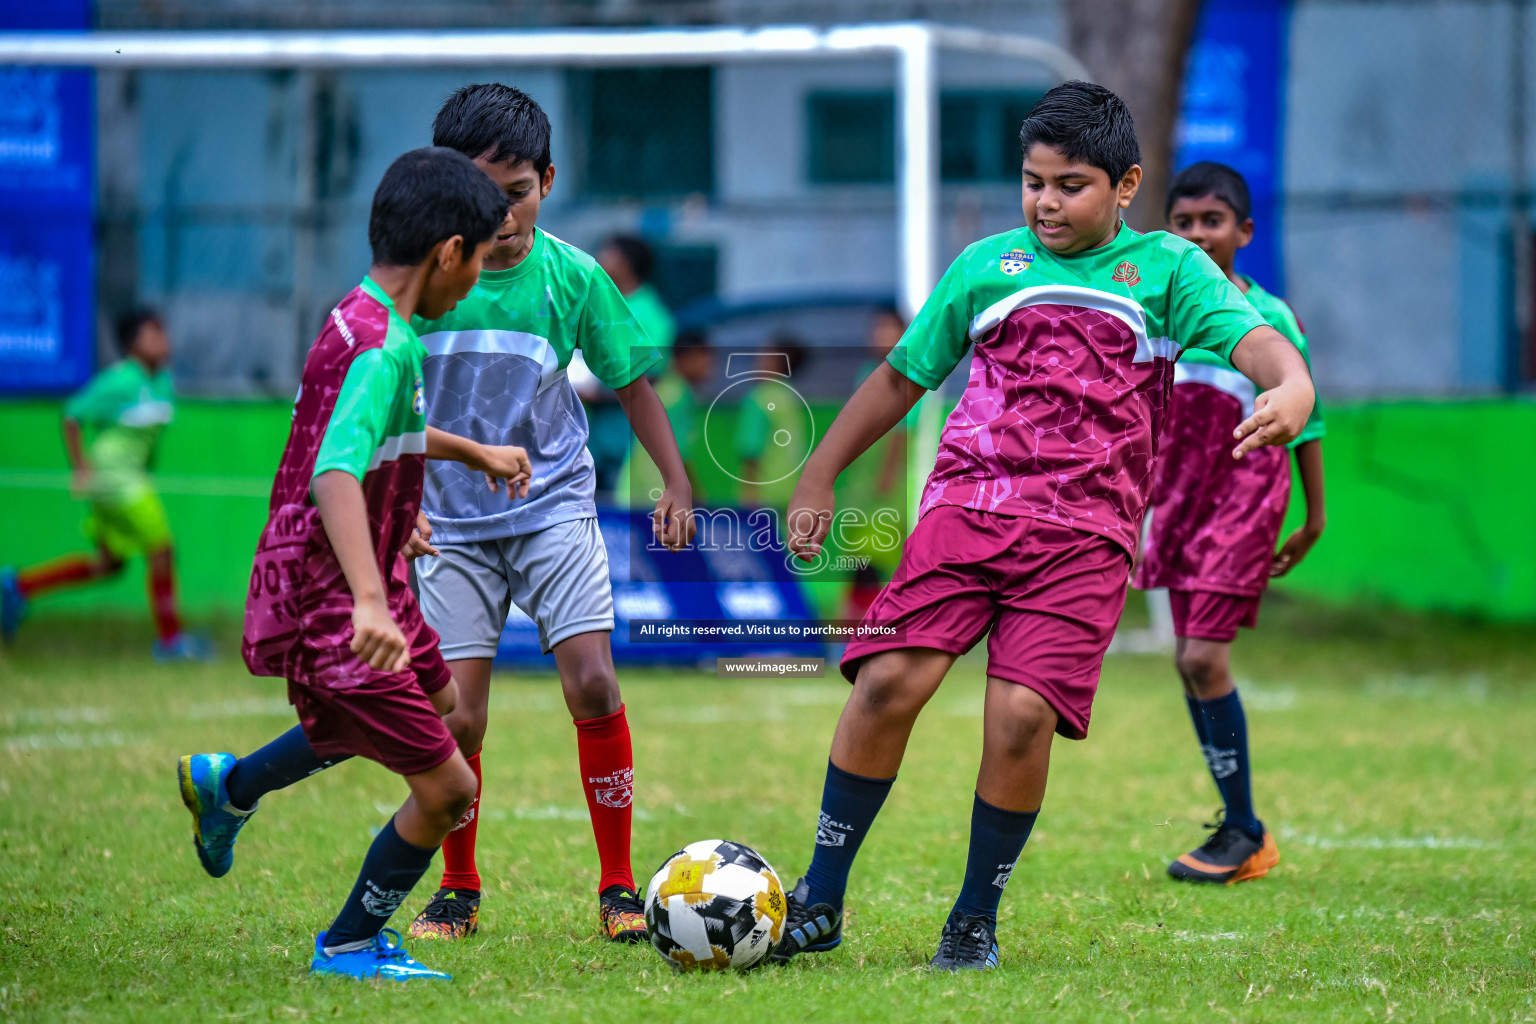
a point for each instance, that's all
(459, 848)
(162, 598)
(607, 776)
(57, 573)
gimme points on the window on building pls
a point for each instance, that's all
(649, 131)
(853, 136)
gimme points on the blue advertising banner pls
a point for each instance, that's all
(715, 599)
(1234, 113)
(47, 184)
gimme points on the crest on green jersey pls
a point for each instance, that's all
(1016, 261)
(418, 397)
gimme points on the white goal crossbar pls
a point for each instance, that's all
(914, 46)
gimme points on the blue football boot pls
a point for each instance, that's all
(386, 958)
(182, 647)
(969, 943)
(215, 822)
(808, 927)
(13, 607)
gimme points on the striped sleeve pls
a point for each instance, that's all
(360, 419)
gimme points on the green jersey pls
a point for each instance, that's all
(496, 372)
(653, 316)
(128, 408)
(1071, 374)
(1209, 368)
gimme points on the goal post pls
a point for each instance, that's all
(914, 46)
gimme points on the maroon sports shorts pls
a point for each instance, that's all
(1205, 615)
(348, 708)
(1049, 595)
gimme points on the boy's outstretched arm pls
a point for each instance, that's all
(1273, 364)
(375, 637)
(673, 518)
(876, 407)
(74, 450)
(1309, 464)
(499, 462)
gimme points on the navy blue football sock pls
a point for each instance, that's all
(1226, 754)
(849, 804)
(997, 839)
(1198, 717)
(390, 871)
(279, 764)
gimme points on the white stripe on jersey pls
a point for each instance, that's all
(500, 343)
(394, 447)
(1219, 377)
(1127, 310)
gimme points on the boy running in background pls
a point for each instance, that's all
(496, 372)
(128, 406)
(1214, 524)
(1032, 511)
(330, 606)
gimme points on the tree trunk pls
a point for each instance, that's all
(1137, 48)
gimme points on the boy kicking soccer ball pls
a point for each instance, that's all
(1214, 523)
(496, 371)
(1031, 514)
(330, 608)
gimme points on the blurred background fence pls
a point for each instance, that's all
(1389, 143)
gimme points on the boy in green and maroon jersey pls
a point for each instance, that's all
(1033, 509)
(330, 607)
(1214, 524)
(126, 407)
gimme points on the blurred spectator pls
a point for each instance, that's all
(773, 428)
(691, 370)
(628, 261)
(879, 477)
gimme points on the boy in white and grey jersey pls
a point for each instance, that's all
(496, 368)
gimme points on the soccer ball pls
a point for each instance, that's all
(715, 905)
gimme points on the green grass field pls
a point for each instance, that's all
(1396, 763)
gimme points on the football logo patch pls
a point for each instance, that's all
(1015, 261)
(1128, 273)
(418, 397)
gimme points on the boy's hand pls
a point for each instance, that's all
(1278, 417)
(505, 462)
(376, 639)
(421, 539)
(809, 518)
(1294, 549)
(673, 521)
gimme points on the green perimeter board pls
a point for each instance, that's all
(1429, 504)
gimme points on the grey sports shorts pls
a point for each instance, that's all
(558, 577)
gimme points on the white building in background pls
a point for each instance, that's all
(238, 200)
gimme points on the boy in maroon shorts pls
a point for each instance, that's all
(1034, 505)
(330, 608)
(1214, 523)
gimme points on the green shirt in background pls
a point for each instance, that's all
(127, 408)
(653, 316)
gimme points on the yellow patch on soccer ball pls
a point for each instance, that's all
(688, 962)
(685, 877)
(772, 905)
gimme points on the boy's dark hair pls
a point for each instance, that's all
(1208, 178)
(637, 253)
(791, 347)
(428, 195)
(496, 119)
(126, 328)
(687, 341)
(1085, 122)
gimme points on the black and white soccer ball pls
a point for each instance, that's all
(714, 906)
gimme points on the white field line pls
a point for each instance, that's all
(61, 740)
(1387, 842)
